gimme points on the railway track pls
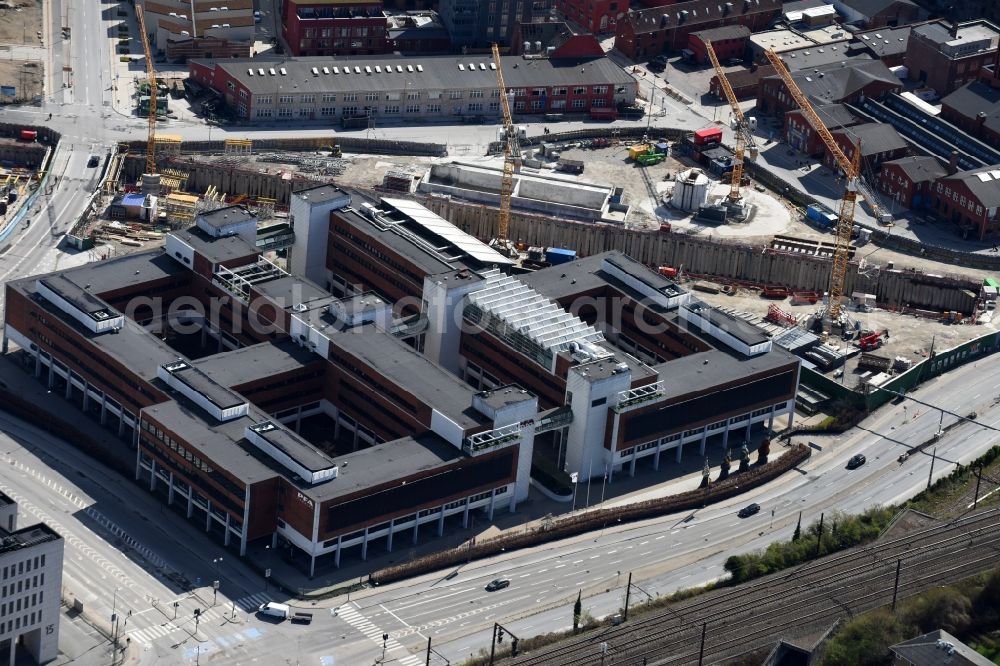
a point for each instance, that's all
(741, 619)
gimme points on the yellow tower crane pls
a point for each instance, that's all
(151, 75)
(852, 170)
(511, 160)
(745, 143)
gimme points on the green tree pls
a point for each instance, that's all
(939, 608)
(577, 610)
(987, 603)
(865, 640)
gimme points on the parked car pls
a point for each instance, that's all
(750, 510)
(856, 461)
(497, 584)
(657, 64)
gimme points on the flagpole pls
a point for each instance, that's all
(589, 476)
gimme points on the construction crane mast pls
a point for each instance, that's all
(151, 75)
(511, 158)
(852, 178)
(745, 142)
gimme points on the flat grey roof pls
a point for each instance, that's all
(221, 442)
(295, 447)
(411, 372)
(586, 274)
(502, 396)
(216, 249)
(124, 271)
(607, 367)
(289, 291)
(26, 537)
(223, 217)
(78, 296)
(132, 345)
(321, 193)
(742, 330)
(218, 395)
(247, 364)
(392, 461)
(706, 370)
(429, 73)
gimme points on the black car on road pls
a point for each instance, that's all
(497, 584)
(750, 510)
(856, 461)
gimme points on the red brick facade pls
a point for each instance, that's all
(595, 16)
(324, 29)
(647, 33)
(954, 202)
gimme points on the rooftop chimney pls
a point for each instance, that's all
(954, 30)
(953, 163)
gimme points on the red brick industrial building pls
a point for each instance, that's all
(324, 28)
(414, 89)
(970, 200)
(879, 142)
(829, 84)
(909, 180)
(595, 16)
(729, 42)
(802, 136)
(945, 56)
(645, 33)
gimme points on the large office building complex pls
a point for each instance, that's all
(30, 587)
(399, 377)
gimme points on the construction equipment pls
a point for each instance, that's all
(872, 341)
(852, 170)
(151, 75)
(511, 159)
(741, 125)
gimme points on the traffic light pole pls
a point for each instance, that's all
(498, 632)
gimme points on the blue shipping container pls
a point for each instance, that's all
(558, 255)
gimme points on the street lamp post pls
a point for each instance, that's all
(217, 563)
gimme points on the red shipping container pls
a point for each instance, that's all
(28, 135)
(708, 135)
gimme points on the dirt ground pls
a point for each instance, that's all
(910, 336)
(19, 22)
(25, 76)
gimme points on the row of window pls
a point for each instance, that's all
(363, 31)
(22, 603)
(126, 379)
(21, 568)
(962, 201)
(415, 95)
(15, 624)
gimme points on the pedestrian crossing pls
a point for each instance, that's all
(250, 603)
(349, 614)
(149, 635)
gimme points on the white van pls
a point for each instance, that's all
(276, 610)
